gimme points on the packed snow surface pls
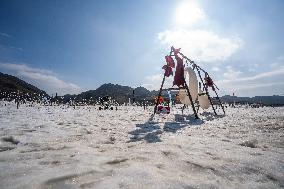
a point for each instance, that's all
(59, 147)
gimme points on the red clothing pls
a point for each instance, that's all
(168, 70)
(208, 81)
(170, 61)
(161, 99)
(179, 73)
(164, 109)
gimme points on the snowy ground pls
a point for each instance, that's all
(59, 147)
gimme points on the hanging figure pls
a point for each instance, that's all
(170, 61)
(179, 73)
(168, 70)
(209, 82)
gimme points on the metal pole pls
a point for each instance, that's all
(161, 88)
(219, 100)
(159, 95)
(191, 101)
(206, 90)
(190, 61)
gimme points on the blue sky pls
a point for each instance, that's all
(73, 46)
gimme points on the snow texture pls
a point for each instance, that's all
(59, 147)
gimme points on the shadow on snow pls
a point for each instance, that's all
(151, 130)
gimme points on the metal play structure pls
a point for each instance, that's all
(189, 92)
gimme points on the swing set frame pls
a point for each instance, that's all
(185, 86)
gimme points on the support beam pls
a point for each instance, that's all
(219, 101)
(190, 61)
(191, 101)
(161, 88)
(206, 90)
(173, 89)
(159, 95)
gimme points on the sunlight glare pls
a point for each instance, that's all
(188, 13)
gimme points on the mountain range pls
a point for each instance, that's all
(11, 86)
(121, 94)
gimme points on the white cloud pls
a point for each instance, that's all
(200, 44)
(266, 83)
(280, 58)
(43, 79)
(4, 34)
(154, 82)
(279, 61)
(216, 69)
(265, 75)
(231, 73)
